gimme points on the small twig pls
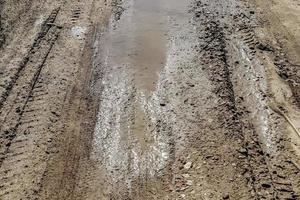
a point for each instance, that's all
(276, 109)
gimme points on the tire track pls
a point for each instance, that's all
(47, 25)
(219, 22)
(19, 125)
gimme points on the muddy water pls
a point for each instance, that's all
(139, 39)
(131, 141)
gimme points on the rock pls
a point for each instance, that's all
(186, 175)
(188, 165)
(189, 182)
(243, 151)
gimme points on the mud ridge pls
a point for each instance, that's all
(214, 50)
(289, 71)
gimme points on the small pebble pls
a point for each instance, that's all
(188, 165)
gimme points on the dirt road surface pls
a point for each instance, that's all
(145, 100)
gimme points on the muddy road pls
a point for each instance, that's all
(139, 99)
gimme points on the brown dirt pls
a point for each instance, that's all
(121, 99)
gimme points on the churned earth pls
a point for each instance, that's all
(139, 99)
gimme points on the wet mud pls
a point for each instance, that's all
(203, 121)
(138, 99)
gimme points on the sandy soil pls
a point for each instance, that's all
(137, 99)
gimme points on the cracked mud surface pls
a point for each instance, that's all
(137, 99)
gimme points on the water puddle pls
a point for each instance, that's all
(130, 139)
(140, 38)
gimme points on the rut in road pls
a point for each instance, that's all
(175, 117)
(139, 99)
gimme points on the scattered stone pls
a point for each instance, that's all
(186, 175)
(188, 165)
(243, 151)
(189, 182)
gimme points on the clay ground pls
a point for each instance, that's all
(139, 99)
